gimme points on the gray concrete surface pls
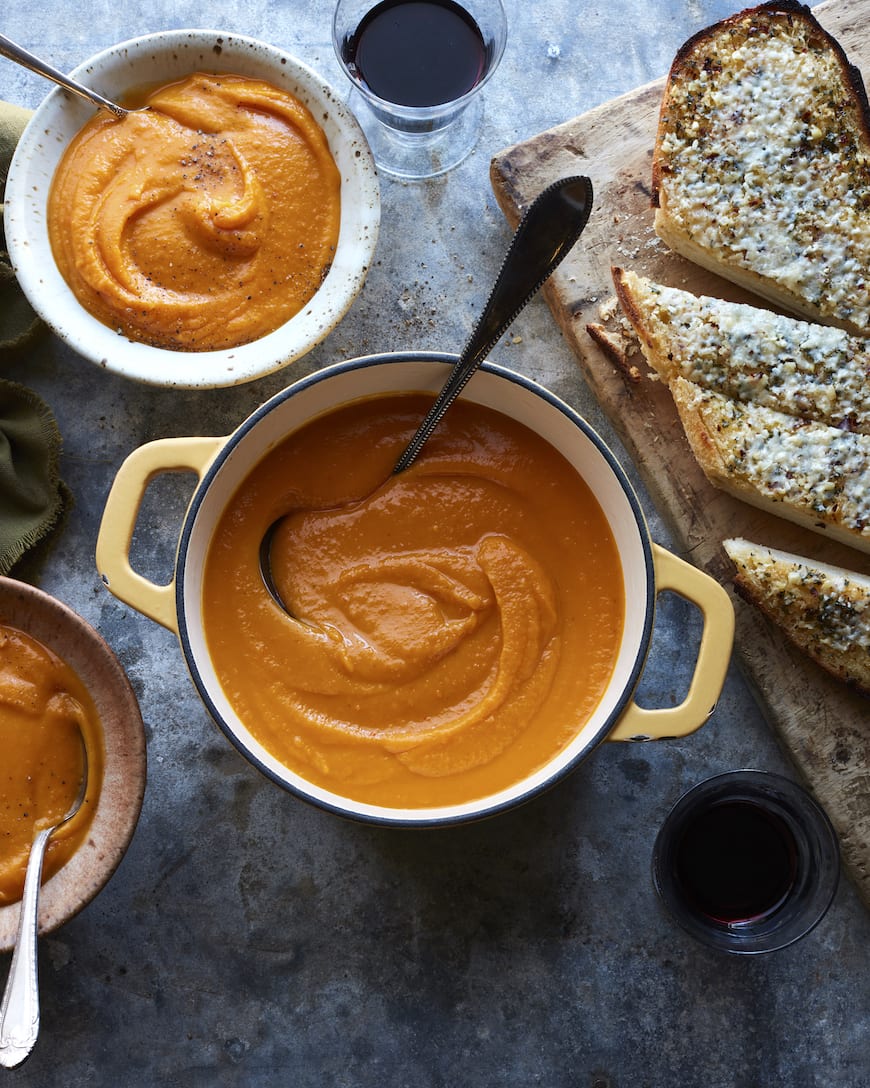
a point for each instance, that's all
(248, 939)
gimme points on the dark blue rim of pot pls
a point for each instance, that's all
(485, 810)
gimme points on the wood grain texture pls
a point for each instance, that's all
(824, 726)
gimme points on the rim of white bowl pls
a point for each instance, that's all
(169, 55)
(436, 816)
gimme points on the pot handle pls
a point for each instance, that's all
(122, 510)
(711, 666)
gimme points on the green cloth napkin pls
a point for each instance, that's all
(33, 498)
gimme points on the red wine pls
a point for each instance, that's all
(417, 52)
(735, 861)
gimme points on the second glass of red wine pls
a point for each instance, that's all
(417, 69)
(747, 862)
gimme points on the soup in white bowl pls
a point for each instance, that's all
(224, 218)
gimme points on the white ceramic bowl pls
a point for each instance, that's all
(156, 59)
(121, 791)
(223, 463)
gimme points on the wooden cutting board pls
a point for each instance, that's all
(824, 726)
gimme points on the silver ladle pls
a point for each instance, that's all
(19, 1011)
(547, 232)
(15, 52)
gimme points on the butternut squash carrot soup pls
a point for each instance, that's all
(44, 708)
(204, 222)
(449, 631)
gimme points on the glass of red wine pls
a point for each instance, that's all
(747, 862)
(417, 68)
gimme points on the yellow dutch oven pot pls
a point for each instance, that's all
(222, 464)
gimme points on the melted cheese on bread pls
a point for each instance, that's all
(824, 610)
(750, 354)
(761, 168)
(809, 473)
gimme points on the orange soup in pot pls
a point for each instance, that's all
(451, 628)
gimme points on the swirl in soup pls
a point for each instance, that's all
(204, 222)
(452, 628)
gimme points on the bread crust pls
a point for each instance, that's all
(750, 354)
(713, 178)
(823, 610)
(744, 277)
(731, 442)
(627, 299)
(789, 9)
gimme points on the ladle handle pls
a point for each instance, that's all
(547, 232)
(19, 1013)
(22, 56)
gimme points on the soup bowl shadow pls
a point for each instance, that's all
(222, 464)
(154, 60)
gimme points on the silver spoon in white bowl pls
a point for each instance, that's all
(19, 1011)
(15, 52)
(546, 234)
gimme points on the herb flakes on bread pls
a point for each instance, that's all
(814, 475)
(761, 167)
(823, 610)
(750, 354)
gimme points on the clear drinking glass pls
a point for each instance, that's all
(417, 69)
(747, 862)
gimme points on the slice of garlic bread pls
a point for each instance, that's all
(809, 473)
(750, 354)
(761, 167)
(823, 610)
